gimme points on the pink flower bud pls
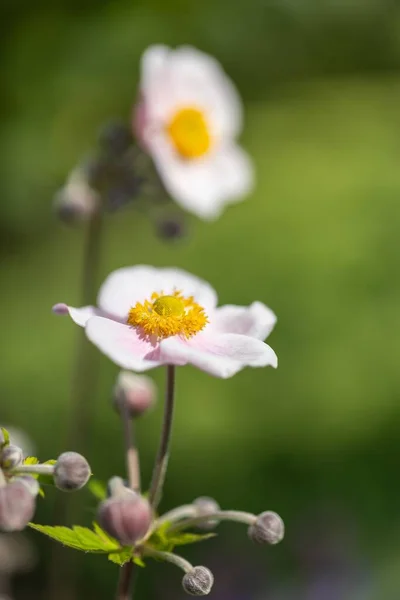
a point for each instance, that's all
(11, 457)
(198, 582)
(76, 201)
(30, 483)
(137, 392)
(206, 506)
(71, 472)
(17, 507)
(267, 529)
(126, 518)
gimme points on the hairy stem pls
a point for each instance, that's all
(185, 511)
(220, 515)
(62, 579)
(180, 562)
(35, 469)
(160, 468)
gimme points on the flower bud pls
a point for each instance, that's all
(115, 137)
(268, 528)
(30, 483)
(198, 582)
(76, 201)
(71, 471)
(136, 392)
(118, 487)
(126, 518)
(11, 457)
(206, 506)
(17, 507)
(170, 228)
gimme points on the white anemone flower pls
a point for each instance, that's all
(148, 317)
(188, 118)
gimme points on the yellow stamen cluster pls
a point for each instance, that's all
(189, 133)
(164, 316)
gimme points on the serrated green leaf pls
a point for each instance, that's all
(31, 460)
(98, 489)
(120, 558)
(6, 438)
(79, 538)
(164, 542)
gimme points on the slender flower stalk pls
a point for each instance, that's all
(169, 557)
(160, 468)
(82, 392)
(34, 469)
(185, 511)
(221, 515)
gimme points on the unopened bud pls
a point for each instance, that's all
(267, 529)
(118, 487)
(71, 471)
(11, 457)
(30, 483)
(17, 507)
(136, 392)
(206, 506)
(76, 201)
(198, 582)
(126, 518)
(170, 228)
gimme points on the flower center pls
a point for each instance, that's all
(189, 133)
(165, 316)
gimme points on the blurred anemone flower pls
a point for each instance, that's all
(188, 117)
(149, 317)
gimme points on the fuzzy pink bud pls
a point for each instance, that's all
(267, 529)
(198, 582)
(17, 507)
(71, 472)
(136, 392)
(11, 457)
(125, 517)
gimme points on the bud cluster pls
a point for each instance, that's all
(20, 482)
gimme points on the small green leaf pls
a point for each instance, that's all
(79, 538)
(138, 561)
(120, 558)
(165, 542)
(31, 460)
(98, 489)
(52, 461)
(6, 438)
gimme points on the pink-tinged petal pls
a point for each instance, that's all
(127, 286)
(79, 315)
(205, 185)
(221, 355)
(122, 344)
(256, 320)
(175, 351)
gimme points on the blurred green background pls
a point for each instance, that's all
(317, 440)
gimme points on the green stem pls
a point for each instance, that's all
(160, 468)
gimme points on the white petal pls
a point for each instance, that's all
(221, 355)
(121, 344)
(203, 186)
(177, 352)
(256, 320)
(175, 79)
(79, 315)
(124, 287)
